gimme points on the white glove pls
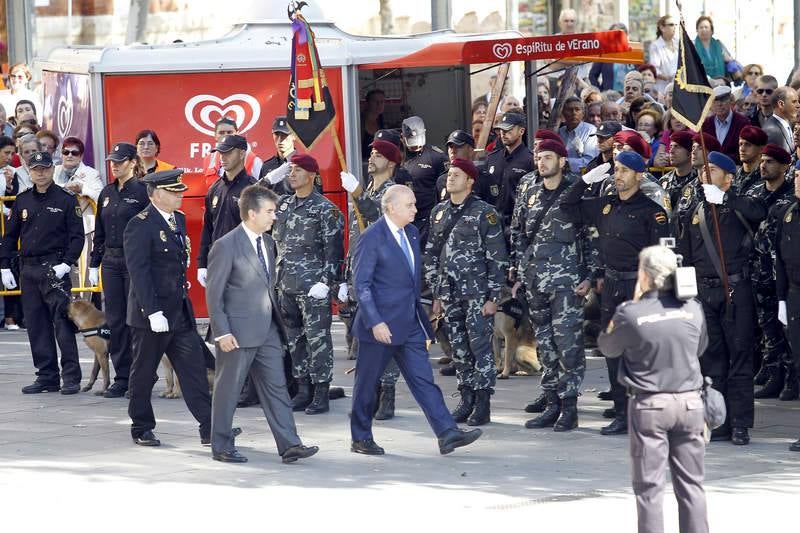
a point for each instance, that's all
(782, 316)
(158, 322)
(578, 144)
(279, 174)
(202, 275)
(349, 182)
(342, 292)
(61, 269)
(94, 277)
(319, 291)
(714, 195)
(597, 174)
(8, 279)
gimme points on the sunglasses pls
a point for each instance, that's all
(765, 91)
(75, 153)
(671, 25)
(754, 73)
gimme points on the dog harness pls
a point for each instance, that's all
(103, 331)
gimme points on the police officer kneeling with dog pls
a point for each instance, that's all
(660, 338)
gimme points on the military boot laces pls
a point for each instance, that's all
(320, 402)
(551, 413)
(569, 415)
(481, 413)
(465, 406)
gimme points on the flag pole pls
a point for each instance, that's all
(343, 164)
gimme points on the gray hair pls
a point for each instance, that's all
(392, 195)
(659, 263)
(31, 138)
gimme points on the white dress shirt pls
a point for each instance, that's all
(665, 59)
(253, 236)
(787, 129)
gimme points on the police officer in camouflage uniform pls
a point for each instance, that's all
(627, 222)
(680, 157)
(550, 251)
(465, 265)
(383, 163)
(308, 232)
(752, 141)
(777, 195)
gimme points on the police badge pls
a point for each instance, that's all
(494, 190)
(106, 200)
(162, 235)
(787, 219)
(607, 209)
(24, 215)
(214, 202)
(439, 216)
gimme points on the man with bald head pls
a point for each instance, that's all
(391, 322)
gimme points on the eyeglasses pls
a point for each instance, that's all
(765, 91)
(75, 153)
(18, 77)
(672, 24)
(754, 73)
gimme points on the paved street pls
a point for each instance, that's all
(68, 462)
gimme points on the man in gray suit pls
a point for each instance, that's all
(250, 336)
(780, 126)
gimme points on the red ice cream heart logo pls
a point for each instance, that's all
(203, 110)
(501, 51)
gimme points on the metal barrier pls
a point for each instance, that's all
(82, 262)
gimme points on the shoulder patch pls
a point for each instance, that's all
(438, 217)
(491, 216)
(143, 214)
(335, 213)
(667, 202)
(788, 217)
(78, 211)
(607, 209)
(661, 218)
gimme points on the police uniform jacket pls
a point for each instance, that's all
(47, 224)
(777, 201)
(470, 261)
(625, 226)
(787, 252)
(508, 168)
(157, 262)
(115, 208)
(425, 166)
(309, 235)
(221, 211)
(660, 340)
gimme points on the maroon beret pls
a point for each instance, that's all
(777, 153)
(306, 162)
(387, 150)
(754, 135)
(542, 134)
(712, 144)
(550, 145)
(636, 142)
(683, 138)
(466, 165)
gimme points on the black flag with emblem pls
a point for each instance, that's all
(309, 110)
(692, 96)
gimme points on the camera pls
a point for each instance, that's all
(684, 279)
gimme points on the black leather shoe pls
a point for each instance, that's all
(795, 447)
(71, 388)
(229, 457)
(456, 438)
(609, 413)
(605, 396)
(366, 447)
(147, 439)
(721, 433)
(115, 391)
(740, 436)
(37, 388)
(618, 427)
(298, 452)
(206, 441)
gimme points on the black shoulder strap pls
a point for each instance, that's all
(708, 242)
(546, 205)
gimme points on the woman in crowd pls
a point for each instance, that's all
(50, 141)
(664, 52)
(148, 146)
(649, 121)
(716, 58)
(670, 125)
(751, 74)
(372, 119)
(18, 79)
(119, 201)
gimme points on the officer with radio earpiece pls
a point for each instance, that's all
(658, 339)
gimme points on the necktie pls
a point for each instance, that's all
(173, 225)
(406, 249)
(261, 257)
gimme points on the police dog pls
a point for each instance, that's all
(173, 389)
(513, 343)
(86, 317)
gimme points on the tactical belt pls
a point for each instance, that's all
(617, 275)
(103, 331)
(39, 259)
(717, 282)
(114, 252)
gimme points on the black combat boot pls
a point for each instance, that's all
(772, 388)
(319, 404)
(386, 404)
(537, 405)
(569, 415)
(303, 396)
(762, 376)
(465, 406)
(481, 414)
(790, 391)
(619, 426)
(548, 418)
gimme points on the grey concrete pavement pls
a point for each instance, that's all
(68, 462)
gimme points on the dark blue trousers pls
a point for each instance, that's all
(412, 358)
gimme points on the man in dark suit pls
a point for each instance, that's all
(725, 124)
(160, 313)
(391, 322)
(779, 126)
(248, 329)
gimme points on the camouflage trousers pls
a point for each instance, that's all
(557, 319)
(308, 328)
(470, 335)
(773, 337)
